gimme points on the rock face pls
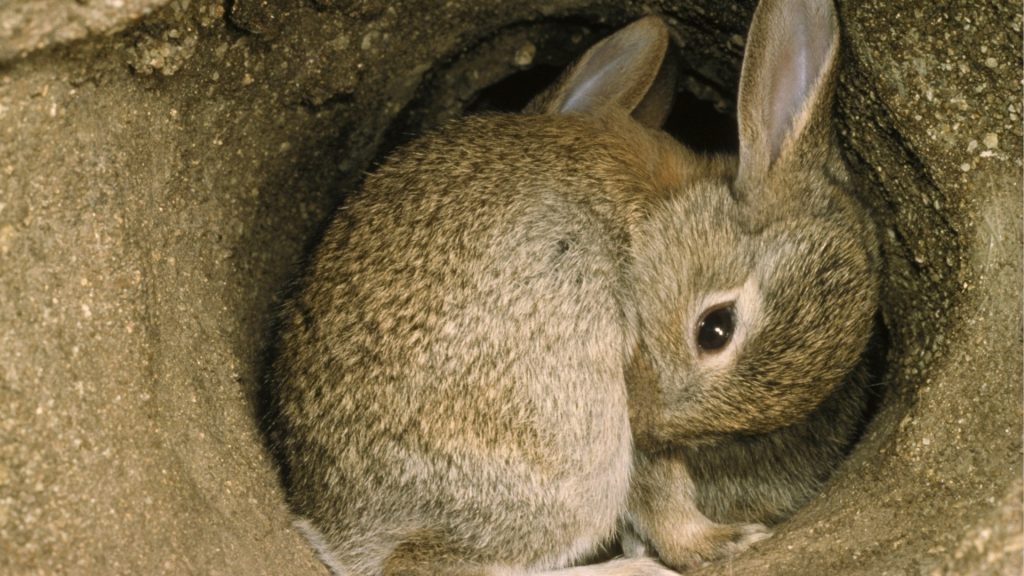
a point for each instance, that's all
(165, 164)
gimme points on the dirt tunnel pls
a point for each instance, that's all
(165, 164)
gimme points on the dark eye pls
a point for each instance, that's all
(716, 328)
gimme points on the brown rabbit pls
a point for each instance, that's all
(509, 337)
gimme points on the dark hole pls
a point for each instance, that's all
(513, 92)
(874, 360)
(697, 124)
(456, 88)
(694, 122)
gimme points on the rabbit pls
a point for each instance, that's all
(514, 340)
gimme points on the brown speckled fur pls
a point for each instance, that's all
(490, 367)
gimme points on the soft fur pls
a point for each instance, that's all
(490, 367)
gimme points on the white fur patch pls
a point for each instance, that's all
(319, 543)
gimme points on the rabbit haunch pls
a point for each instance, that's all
(528, 335)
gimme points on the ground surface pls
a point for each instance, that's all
(165, 164)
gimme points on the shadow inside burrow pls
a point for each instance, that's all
(317, 183)
(693, 121)
(461, 87)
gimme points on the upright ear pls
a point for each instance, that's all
(786, 85)
(628, 70)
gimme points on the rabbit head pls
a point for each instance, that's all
(755, 276)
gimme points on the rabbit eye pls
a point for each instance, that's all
(716, 327)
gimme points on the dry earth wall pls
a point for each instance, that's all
(164, 165)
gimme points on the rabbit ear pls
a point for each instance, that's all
(627, 70)
(786, 84)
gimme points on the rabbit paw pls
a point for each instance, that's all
(709, 542)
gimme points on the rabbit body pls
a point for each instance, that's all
(515, 336)
(478, 390)
(461, 341)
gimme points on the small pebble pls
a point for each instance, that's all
(525, 54)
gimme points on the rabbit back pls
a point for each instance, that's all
(451, 381)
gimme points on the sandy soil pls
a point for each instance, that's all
(164, 167)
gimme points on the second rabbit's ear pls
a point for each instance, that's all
(786, 85)
(628, 71)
